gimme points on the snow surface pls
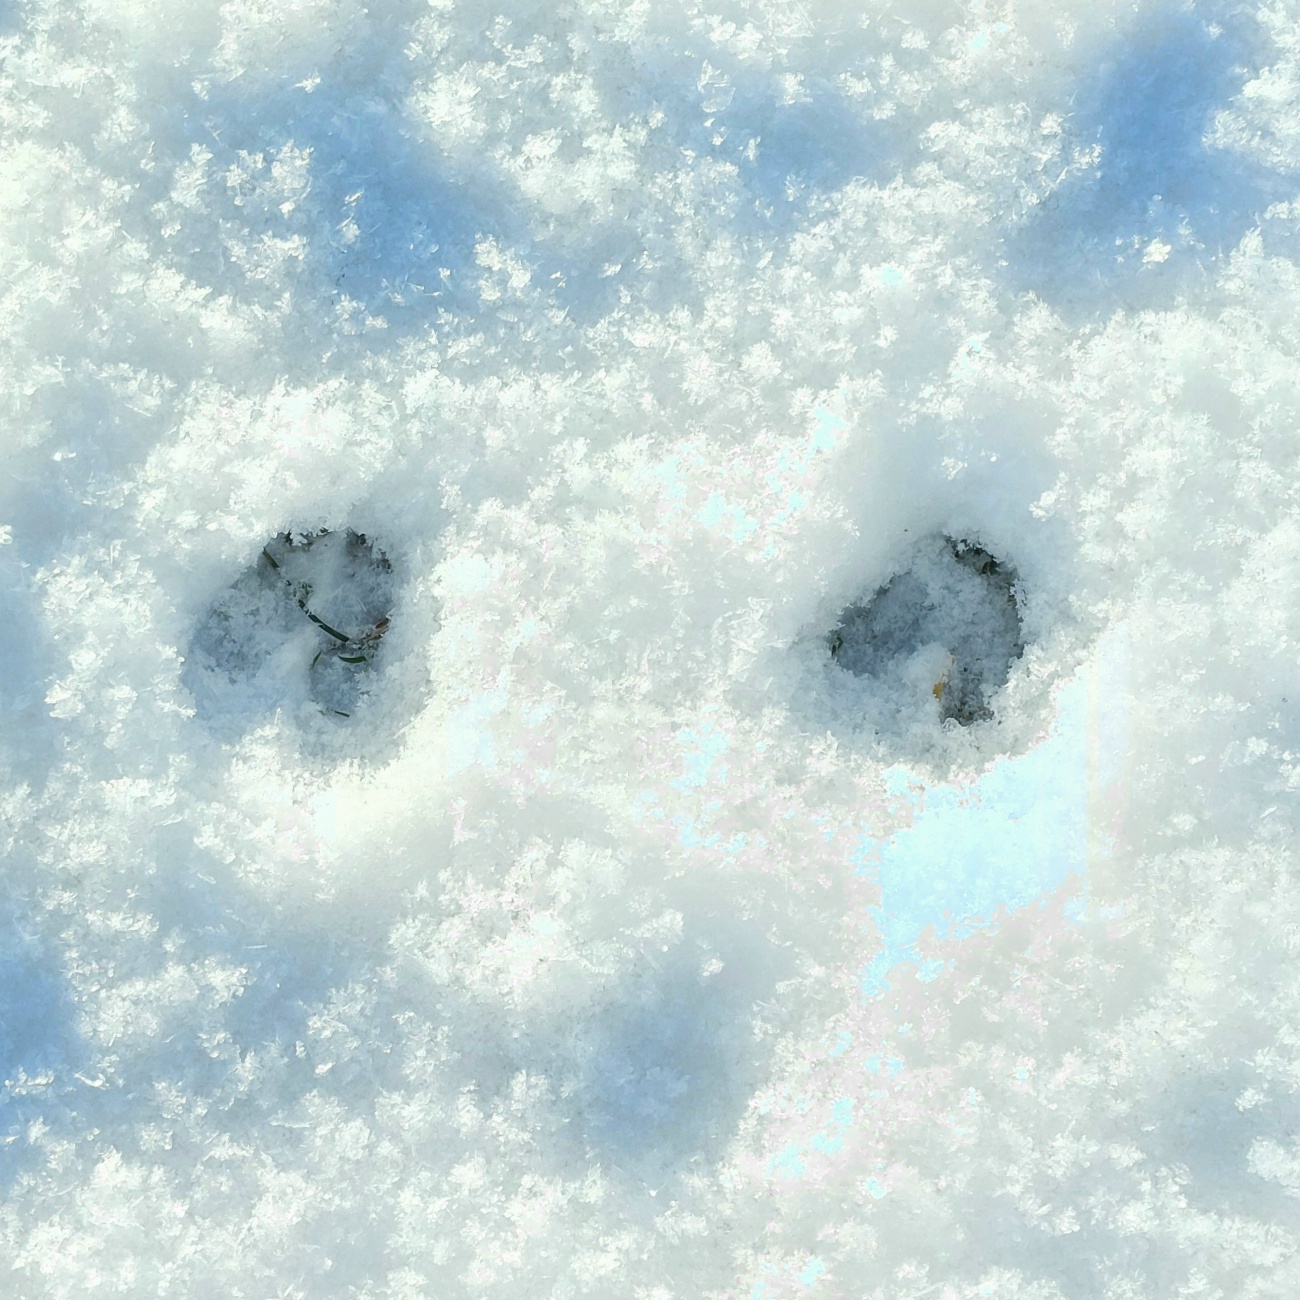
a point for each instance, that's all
(619, 941)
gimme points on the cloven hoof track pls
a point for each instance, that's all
(343, 585)
(955, 598)
(314, 603)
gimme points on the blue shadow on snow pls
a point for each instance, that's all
(36, 1039)
(663, 1074)
(1097, 239)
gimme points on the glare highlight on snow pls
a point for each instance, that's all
(1014, 834)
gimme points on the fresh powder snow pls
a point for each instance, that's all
(650, 650)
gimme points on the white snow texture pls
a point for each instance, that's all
(605, 924)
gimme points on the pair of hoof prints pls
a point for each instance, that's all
(948, 625)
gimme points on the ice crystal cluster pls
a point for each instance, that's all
(650, 649)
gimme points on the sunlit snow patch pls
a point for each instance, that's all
(1014, 835)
